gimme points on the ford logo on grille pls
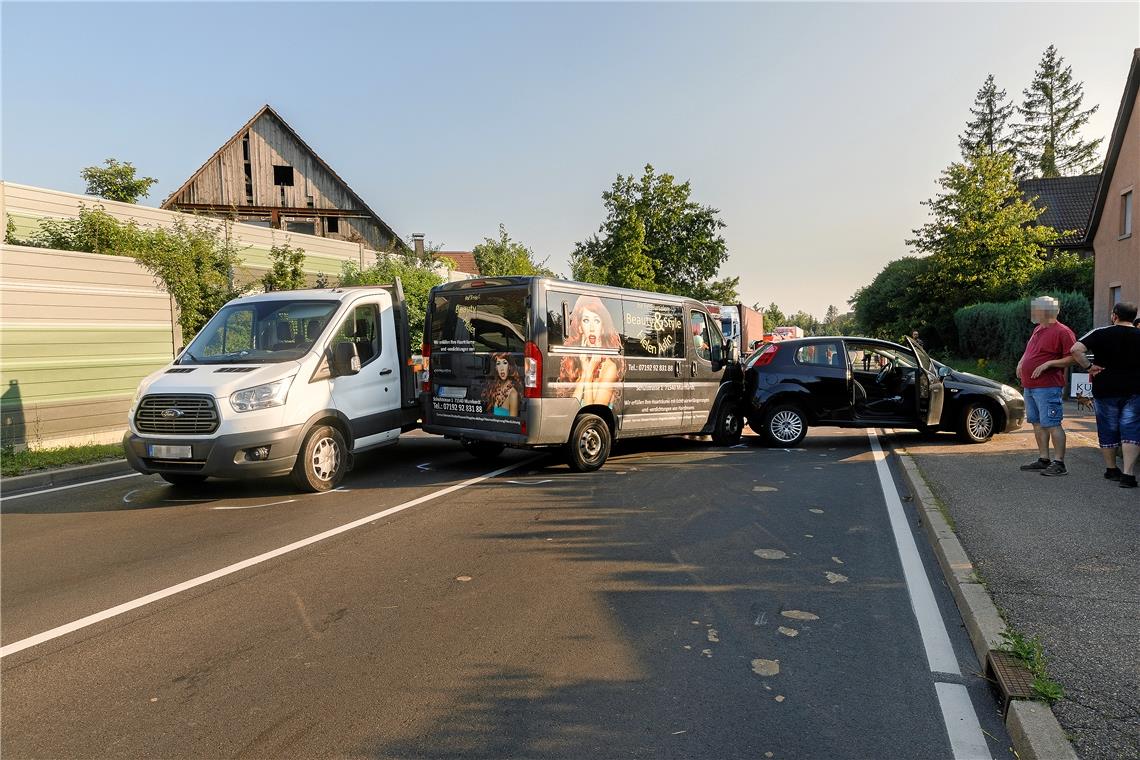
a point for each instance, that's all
(170, 414)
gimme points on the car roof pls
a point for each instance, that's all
(831, 338)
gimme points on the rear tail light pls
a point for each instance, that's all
(532, 371)
(766, 356)
(425, 375)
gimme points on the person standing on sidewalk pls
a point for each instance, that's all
(1116, 389)
(1041, 371)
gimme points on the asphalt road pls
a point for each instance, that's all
(685, 601)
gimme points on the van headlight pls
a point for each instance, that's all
(1009, 394)
(261, 396)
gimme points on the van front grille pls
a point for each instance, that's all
(177, 415)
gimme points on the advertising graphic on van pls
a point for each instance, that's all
(591, 368)
(477, 344)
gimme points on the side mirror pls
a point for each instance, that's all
(730, 354)
(716, 356)
(346, 359)
(944, 371)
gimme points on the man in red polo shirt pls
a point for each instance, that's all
(1041, 371)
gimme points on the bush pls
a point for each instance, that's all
(1063, 273)
(1001, 330)
(415, 275)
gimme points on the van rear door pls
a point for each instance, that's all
(477, 338)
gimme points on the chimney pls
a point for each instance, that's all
(418, 242)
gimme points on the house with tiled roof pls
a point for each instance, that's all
(1110, 228)
(464, 260)
(1067, 204)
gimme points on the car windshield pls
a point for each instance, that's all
(260, 332)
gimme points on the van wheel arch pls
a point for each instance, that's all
(333, 419)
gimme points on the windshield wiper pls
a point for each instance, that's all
(187, 354)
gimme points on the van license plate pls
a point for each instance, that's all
(170, 452)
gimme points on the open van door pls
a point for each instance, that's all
(929, 392)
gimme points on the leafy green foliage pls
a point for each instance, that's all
(415, 274)
(984, 242)
(1031, 652)
(987, 131)
(116, 181)
(93, 231)
(773, 317)
(1063, 272)
(19, 462)
(1048, 139)
(287, 268)
(1001, 330)
(895, 302)
(505, 257)
(654, 237)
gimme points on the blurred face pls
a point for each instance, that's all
(502, 367)
(1038, 315)
(591, 328)
(914, 334)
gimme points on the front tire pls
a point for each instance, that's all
(322, 462)
(484, 451)
(589, 444)
(784, 426)
(182, 479)
(729, 425)
(978, 423)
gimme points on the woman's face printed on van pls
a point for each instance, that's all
(502, 367)
(591, 328)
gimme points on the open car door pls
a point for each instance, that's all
(929, 391)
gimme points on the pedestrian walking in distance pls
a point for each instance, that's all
(1041, 372)
(916, 339)
(1115, 371)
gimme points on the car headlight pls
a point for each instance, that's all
(1009, 393)
(261, 396)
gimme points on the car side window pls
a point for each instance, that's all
(701, 339)
(820, 354)
(361, 327)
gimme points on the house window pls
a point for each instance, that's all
(334, 224)
(283, 175)
(1113, 297)
(305, 227)
(1126, 214)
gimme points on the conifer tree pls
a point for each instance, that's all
(1048, 139)
(987, 130)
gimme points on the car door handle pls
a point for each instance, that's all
(386, 371)
(692, 369)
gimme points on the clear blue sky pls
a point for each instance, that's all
(816, 129)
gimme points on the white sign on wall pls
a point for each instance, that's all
(1080, 385)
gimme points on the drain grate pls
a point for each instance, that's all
(1012, 677)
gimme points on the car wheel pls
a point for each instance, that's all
(322, 462)
(784, 426)
(183, 479)
(729, 425)
(977, 424)
(484, 450)
(589, 444)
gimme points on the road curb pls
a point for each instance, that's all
(63, 476)
(1032, 726)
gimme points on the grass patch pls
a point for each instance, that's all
(1030, 652)
(1000, 370)
(21, 462)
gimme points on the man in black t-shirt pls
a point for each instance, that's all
(1115, 371)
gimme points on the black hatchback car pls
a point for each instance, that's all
(864, 383)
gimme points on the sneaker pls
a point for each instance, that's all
(1039, 464)
(1127, 481)
(1055, 468)
(1112, 473)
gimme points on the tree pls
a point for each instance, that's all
(894, 303)
(116, 181)
(505, 257)
(983, 240)
(287, 269)
(987, 129)
(654, 237)
(416, 275)
(1048, 139)
(773, 317)
(1064, 272)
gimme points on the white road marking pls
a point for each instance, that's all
(958, 714)
(127, 496)
(98, 617)
(529, 482)
(966, 739)
(257, 506)
(425, 466)
(73, 485)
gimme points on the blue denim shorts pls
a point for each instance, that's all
(1043, 406)
(1117, 420)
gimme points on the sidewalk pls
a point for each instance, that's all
(1061, 558)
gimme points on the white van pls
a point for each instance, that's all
(287, 382)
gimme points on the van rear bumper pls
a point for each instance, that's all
(548, 423)
(226, 456)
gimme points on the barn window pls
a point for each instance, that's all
(334, 224)
(283, 176)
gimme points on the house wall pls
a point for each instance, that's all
(1117, 259)
(222, 181)
(78, 331)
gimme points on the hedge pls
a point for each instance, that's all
(1001, 330)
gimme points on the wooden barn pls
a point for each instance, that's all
(267, 175)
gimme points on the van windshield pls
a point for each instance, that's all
(260, 332)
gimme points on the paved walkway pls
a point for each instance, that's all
(1061, 558)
